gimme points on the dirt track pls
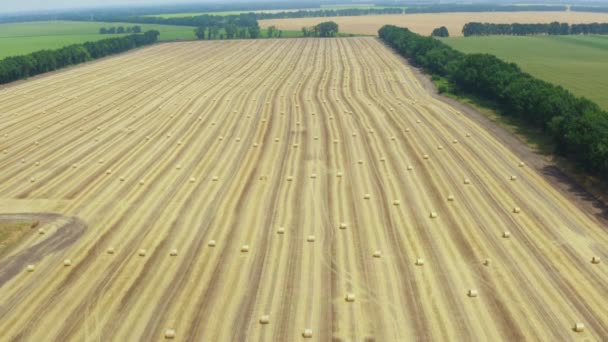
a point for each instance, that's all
(297, 132)
(425, 23)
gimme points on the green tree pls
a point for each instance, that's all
(254, 31)
(326, 29)
(440, 32)
(200, 32)
(136, 29)
(103, 30)
(120, 30)
(271, 31)
(231, 31)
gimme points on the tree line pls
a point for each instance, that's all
(20, 67)
(441, 32)
(577, 126)
(120, 29)
(440, 8)
(328, 13)
(230, 31)
(324, 29)
(554, 28)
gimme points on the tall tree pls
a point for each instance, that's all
(200, 32)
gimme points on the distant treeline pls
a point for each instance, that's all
(328, 13)
(20, 67)
(577, 126)
(554, 28)
(324, 30)
(120, 29)
(441, 8)
(601, 9)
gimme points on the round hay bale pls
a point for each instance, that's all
(468, 135)
(220, 138)
(310, 238)
(215, 178)
(440, 147)
(454, 141)
(506, 235)
(31, 268)
(316, 138)
(313, 176)
(336, 141)
(579, 327)
(360, 162)
(513, 178)
(110, 250)
(354, 134)
(595, 260)
(382, 159)
(41, 231)
(289, 178)
(433, 215)
(487, 262)
(393, 138)
(467, 181)
(419, 262)
(32, 180)
(67, 262)
(410, 167)
(142, 182)
(74, 166)
(396, 203)
(264, 319)
(237, 139)
(276, 139)
(245, 248)
(22, 161)
(178, 167)
(307, 333)
(450, 198)
(192, 179)
(37, 163)
(418, 121)
(281, 230)
(472, 293)
(343, 225)
(516, 210)
(367, 196)
(339, 174)
(173, 252)
(377, 254)
(350, 297)
(169, 334)
(406, 130)
(426, 156)
(122, 179)
(142, 252)
(211, 243)
(522, 164)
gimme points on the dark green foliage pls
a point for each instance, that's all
(578, 127)
(120, 30)
(600, 9)
(324, 29)
(441, 8)
(554, 28)
(19, 67)
(441, 32)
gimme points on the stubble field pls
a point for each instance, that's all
(327, 159)
(425, 23)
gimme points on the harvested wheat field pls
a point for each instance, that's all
(279, 190)
(425, 23)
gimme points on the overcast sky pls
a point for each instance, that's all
(30, 5)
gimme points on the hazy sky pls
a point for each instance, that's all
(29, 5)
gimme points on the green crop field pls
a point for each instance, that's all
(578, 63)
(23, 38)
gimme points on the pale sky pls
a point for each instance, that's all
(30, 5)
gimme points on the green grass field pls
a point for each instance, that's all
(578, 63)
(23, 38)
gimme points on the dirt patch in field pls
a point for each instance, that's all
(425, 23)
(60, 232)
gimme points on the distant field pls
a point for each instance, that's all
(578, 63)
(426, 22)
(23, 38)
